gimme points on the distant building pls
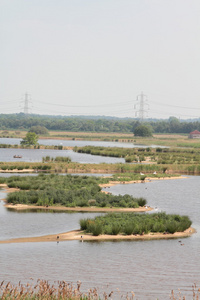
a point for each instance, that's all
(194, 135)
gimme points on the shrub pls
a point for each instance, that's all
(131, 223)
(115, 229)
(142, 202)
(171, 227)
(83, 224)
(95, 229)
(128, 229)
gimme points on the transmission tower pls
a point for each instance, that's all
(141, 106)
(26, 102)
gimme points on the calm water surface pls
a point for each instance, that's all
(149, 268)
(71, 143)
(36, 155)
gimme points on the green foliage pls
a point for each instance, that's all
(30, 139)
(70, 191)
(131, 223)
(160, 157)
(39, 129)
(93, 124)
(56, 159)
(142, 201)
(143, 130)
(2, 180)
(62, 159)
(95, 229)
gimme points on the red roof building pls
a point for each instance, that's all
(194, 135)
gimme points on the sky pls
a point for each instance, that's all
(118, 58)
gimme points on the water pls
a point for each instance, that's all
(36, 155)
(73, 143)
(150, 268)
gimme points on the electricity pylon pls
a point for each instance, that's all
(141, 106)
(26, 102)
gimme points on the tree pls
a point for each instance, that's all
(30, 139)
(39, 129)
(143, 131)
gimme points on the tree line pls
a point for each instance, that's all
(101, 124)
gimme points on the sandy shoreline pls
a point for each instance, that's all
(78, 209)
(79, 235)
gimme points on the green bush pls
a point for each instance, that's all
(131, 223)
(115, 229)
(128, 229)
(142, 202)
(171, 227)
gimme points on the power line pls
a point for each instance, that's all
(118, 108)
(170, 105)
(87, 106)
(81, 113)
(173, 114)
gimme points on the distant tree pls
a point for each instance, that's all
(174, 125)
(143, 130)
(39, 129)
(30, 139)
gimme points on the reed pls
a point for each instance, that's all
(62, 290)
(43, 290)
(195, 294)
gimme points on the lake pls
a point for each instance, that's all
(150, 268)
(73, 143)
(36, 155)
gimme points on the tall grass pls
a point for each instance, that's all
(60, 290)
(63, 290)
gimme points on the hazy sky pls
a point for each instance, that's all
(94, 57)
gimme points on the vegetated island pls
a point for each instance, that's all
(83, 193)
(66, 191)
(80, 193)
(125, 229)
